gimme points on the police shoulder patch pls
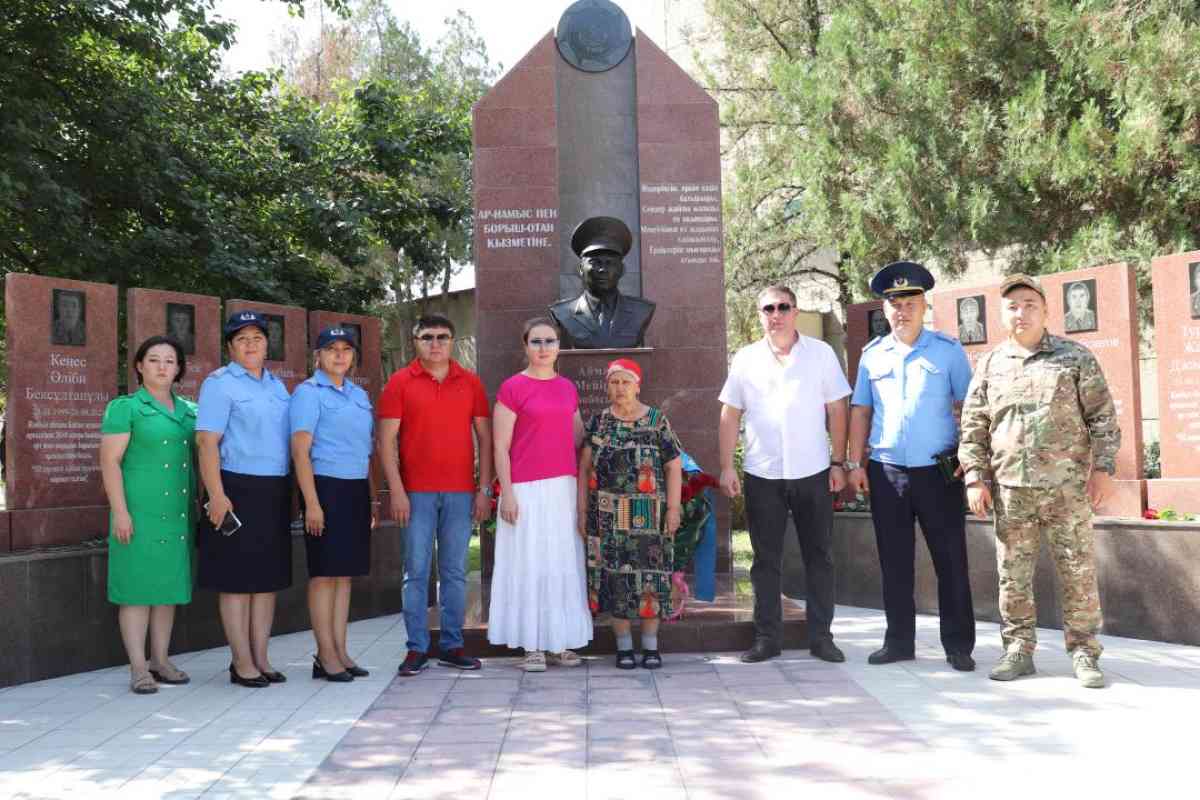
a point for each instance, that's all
(945, 337)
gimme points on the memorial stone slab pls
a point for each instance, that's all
(639, 141)
(288, 356)
(1097, 307)
(1176, 281)
(864, 322)
(193, 319)
(62, 349)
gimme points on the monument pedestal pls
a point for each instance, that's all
(726, 624)
(1128, 500)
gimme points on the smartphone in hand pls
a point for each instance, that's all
(228, 525)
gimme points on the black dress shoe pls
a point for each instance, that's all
(257, 682)
(275, 677)
(319, 671)
(762, 650)
(827, 651)
(889, 655)
(961, 661)
(357, 671)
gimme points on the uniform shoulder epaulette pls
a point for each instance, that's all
(219, 372)
(872, 343)
(945, 337)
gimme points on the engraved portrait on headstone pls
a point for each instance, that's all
(971, 326)
(877, 323)
(181, 325)
(68, 317)
(594, 35)
(1194, 286)
(276, 344)
(601, 316)
(1079, 300)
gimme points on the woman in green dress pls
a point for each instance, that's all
(630, 485)
(146, 459)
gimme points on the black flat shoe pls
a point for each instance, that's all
(651, 659)
(961, 661)
(319, 672)
(762, 650)
(357, 671)
(257, 682)
(827, 651)
(889, 655)
(625, 660)
(275, 677)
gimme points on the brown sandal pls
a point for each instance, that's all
(143, 683)
(169, 674)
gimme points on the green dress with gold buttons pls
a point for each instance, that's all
(155, 567)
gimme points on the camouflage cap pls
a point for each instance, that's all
(1019, 280)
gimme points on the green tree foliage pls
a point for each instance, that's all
(1053, 133)
(126, 157)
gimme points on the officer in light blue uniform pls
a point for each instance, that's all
(908, 386)
(339, 418)
(245, 459)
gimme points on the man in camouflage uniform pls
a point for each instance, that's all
(1039, 440)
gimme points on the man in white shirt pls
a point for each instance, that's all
(789, 389)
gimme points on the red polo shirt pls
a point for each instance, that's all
(437, 449)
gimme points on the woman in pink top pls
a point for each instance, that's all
(539, 585)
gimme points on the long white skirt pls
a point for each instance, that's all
(539, 582)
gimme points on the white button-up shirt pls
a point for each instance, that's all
(783, 406)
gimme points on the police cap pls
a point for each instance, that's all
(901, 278)
(242, 319)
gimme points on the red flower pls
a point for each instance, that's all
(697, 484)
(1150, 513)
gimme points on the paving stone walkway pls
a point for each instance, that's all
(706, 726)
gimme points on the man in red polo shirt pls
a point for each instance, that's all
(431, 408)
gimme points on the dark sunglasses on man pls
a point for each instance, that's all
(782, 308)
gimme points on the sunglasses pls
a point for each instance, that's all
(435, 337)
(783, 308)
(543, 342)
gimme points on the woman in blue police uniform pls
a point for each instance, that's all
(332, 433)
(242, 437)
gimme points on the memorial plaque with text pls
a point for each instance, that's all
(864, 322)
(62, 349)
(1176, 281)
(193, 319)
(288, 356)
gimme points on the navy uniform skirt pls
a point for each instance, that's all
(257, 557)
(344, 549)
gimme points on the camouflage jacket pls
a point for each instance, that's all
(1038, 420)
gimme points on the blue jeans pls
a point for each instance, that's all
(446, 518)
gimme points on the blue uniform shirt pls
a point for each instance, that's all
(252, 417)
(341, 423)
(911, 396)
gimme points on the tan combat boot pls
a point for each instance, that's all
(1087, 671)
(1012, 665)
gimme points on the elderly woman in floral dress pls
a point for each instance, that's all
(630, 479)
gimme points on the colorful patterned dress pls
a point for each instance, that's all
(629, 557)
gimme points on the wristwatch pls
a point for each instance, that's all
(487, 491)
(852, 465)
(837, 464)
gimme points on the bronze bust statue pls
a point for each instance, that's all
(601, 316)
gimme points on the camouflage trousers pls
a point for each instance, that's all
(1065, 516)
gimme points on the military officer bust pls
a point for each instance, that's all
(601, 316)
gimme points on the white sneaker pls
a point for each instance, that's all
(535, 661)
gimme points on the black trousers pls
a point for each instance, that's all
(768, 503)
(900, 495)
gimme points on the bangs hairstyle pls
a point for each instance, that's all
(426, 321)
(154, 341)
(536, 322)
